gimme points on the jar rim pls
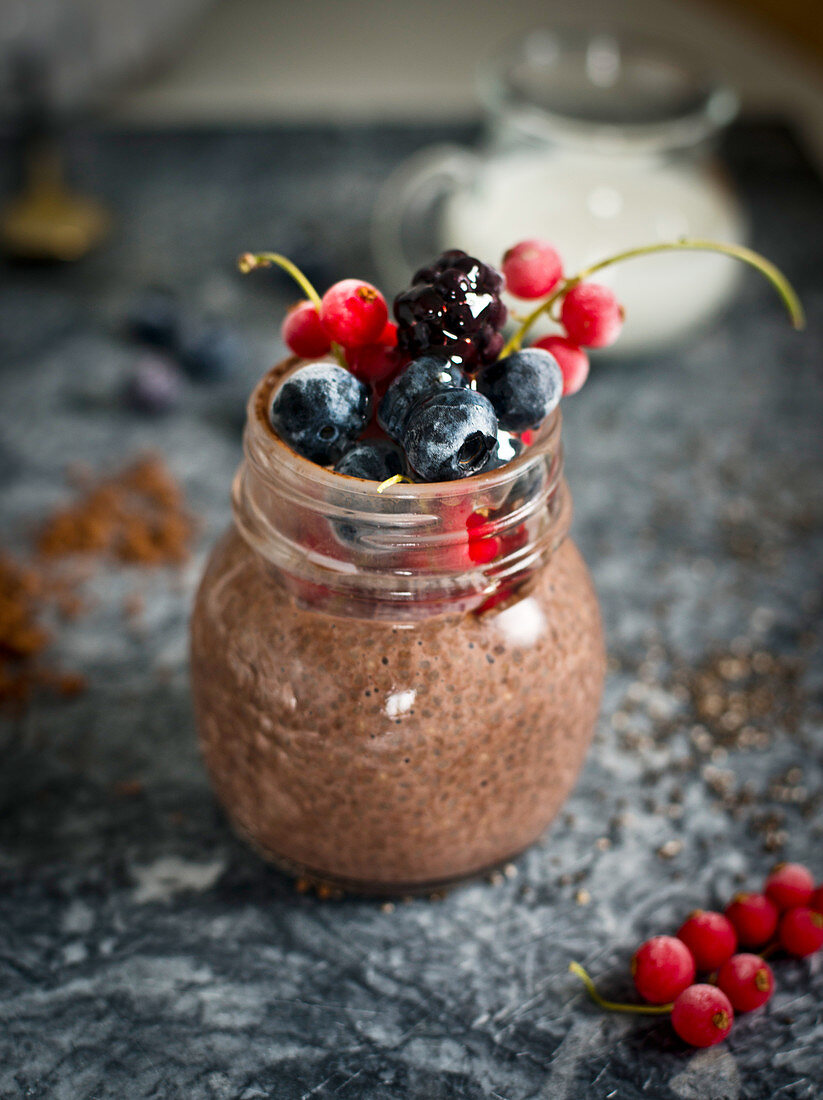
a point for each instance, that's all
(268, 452)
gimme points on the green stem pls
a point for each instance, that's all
(398, 479)
(515, 342)
(685, 244)
(616, 1006)
(251, 260)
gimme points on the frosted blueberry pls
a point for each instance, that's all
(523, 388)
(319, 410)
(421, 378)
(450, 435)
(372, 460)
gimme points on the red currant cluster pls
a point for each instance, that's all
(590, 313)
(354, 315)
(788, 915)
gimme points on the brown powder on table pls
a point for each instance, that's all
(24, 594)
(137, 516)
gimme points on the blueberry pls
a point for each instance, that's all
(154, 317)
(372, 460)
(507, 447)
(420, 379)
(524, 388)
(154, 386)
(450, 434)
(319, 410)
(209, 350)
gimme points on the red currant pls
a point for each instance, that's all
(816, 901)
(374, 362)
(747, 980)
(754, 918)
(483, 546)
(662, 967)
(532, 269)
(591, 315)
(702, 1015)
(302, 332)
(789, 885)
(388, 337)
(572, 360)
(801, 931)
(710, 937)
(354, 313)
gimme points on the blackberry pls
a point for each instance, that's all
(453, 307)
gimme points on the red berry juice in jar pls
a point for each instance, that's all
(380, 705)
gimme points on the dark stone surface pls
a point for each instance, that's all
(144, 952)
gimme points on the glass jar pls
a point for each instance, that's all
(383, 703)
(597, 141)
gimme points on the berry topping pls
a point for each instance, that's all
(303, 333)
(532, 269)
(209, 350)
(754, 918)
(662, 967)
(484, 546)
(450, 435)
(789, 885)
(454, 307)
(591, 315)
(421, 378)
(372, 460)
(449, 325)
(319, 410)
(747, 980)
(710, 937)
(801, 931)
(508, 447)
(353, 313)
(702, 1015)
(374, 362)
(572, 360)
(523, 388)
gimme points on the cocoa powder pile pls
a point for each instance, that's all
(137, 516)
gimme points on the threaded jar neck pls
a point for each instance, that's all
(410, 551)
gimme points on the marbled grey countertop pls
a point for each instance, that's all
(144, 952)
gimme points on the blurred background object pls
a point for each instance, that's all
(58, 61)
(595, 140)
(267, 60)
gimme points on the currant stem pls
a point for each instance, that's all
(515, 341)
(616, 1006)
(684, 244)
(251, 260)
(398, 479)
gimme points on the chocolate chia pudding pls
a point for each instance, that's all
(376, 707)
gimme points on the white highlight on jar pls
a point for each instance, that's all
(399, 702)
(523, 623)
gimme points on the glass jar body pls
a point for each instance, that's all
(393, 756)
